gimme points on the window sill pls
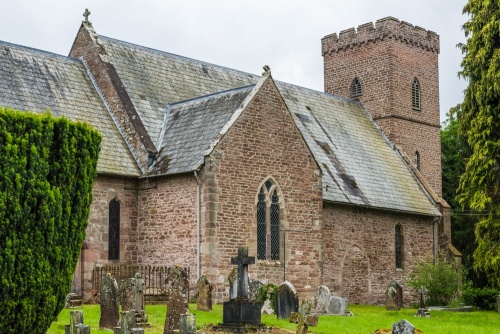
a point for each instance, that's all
(269, 263)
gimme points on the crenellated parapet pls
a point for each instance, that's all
(385, 28)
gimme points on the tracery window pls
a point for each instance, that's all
(114, 230)
(268, 222)
(415, 94)
(398, 246)
(356, 89)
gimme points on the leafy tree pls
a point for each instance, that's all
(479, 119)
(48, 167)
(440, 280)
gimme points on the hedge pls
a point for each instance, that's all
(48, 166)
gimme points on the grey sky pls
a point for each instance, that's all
(245, 35)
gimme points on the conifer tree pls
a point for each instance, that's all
(48, 166)
(479, 118)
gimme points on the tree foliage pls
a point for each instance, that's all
(479, 119)
(48, 167)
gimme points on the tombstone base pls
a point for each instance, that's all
(241, 312)
(241, 328)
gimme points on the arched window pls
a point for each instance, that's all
(415, 94)
(268, 223)
(398, 246)
(114, 230)
(356, 89)
(416, 160)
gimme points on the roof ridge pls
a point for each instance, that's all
(212, 95)
(48, 53)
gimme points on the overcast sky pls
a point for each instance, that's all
(245, 35)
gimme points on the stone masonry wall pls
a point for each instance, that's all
(359, 257)
(95, 248)
(263, 143)
(386, 58)
(167, 222)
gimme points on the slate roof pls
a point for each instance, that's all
(359, 165)
(35, 80)
(155, 78)
(186, 137)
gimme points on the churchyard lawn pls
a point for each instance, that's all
(366, 320)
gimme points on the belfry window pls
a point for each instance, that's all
(398, 246)
(356, 89)
(114, 230)
(268, 223)
(415, 94)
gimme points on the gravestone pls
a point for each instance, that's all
(239, 312)
(232, 278)
(109, 302)
(498, 304)
(403, 327)
(204, 300)
(422, 310)
(286, 300)
(76, 325)
(187, 323)
(253, 288)
(394, 296)
(177, 282)
(73, 300)
(337, 305)
(132, 298)
(128, 324)
(321, 299)
(303, 318)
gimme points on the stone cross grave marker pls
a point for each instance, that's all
(204, 300)
(110, 315)
(128, 324)
(177, 288)
(243, 260)
(241, 311)
(422, 292)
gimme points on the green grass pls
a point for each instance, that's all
(366, 320)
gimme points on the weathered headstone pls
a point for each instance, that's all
(128, 324)
(394, 296)
(232, 278)
(403, 327)
(337, 305)
(267, 308)
(73, 300)
(76, 325)
(253, 288)
(177, 287)
(422, 310)
(132, 298)
(303, 318)
(321, 299)
(187, 323)
(110, 315)
(204, 300)
(287, 300)
(498, 304)
(242, 311)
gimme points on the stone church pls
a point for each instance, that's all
(339, 188)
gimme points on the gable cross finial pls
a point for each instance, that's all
(267, 70)
(86, 14)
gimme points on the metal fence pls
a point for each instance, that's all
(153, 276)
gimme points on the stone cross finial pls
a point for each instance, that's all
(267, 70)
(86, 15)
(243, 260)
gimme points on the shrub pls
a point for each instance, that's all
(269, 292)
(48, 166)
(440, 280)
(483, 299)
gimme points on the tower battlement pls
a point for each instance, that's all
(385, 28)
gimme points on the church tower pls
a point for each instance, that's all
(392, 68)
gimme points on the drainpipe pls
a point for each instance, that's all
(197, 226)
(435, 239)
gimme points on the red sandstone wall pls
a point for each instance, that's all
(386, 58)
(264, 142)
(95, 250)
(167, 222)
(359, 256)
